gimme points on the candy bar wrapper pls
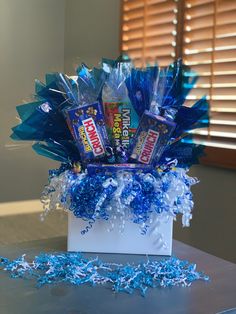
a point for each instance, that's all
(151, 138)
(122, 122)
(87, 125)
(109, 169)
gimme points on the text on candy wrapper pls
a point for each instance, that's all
(148, 146)
(93, 137)
(121, 127)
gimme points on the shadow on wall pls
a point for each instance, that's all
(213, 228)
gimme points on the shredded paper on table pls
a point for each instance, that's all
(76, 269)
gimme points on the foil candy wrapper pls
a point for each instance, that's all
(94, 169)
(151, 138)
(87, 125)
(122, 122)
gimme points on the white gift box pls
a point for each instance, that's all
(98, 239)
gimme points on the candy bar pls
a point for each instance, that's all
(122, 122)
(87, 125)
(94, 169)
(151, 138)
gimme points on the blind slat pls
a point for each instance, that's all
(222, 118)
(133, 15)
(206, 57)
(213, 142)
(157, 41)
(226, 131)
(207, 33)
(133, 24)
(219, 69)
(222, 106)
(158, 8)
(222, 17)
(164, 29)
(163, 18)
(222, 28)
(227, 92)
(194, 3)
(217, 80)
(162, 60)
(152, 52)
(132, 5)
(152, 33)
(204, 9)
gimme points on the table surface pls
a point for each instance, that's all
(19, 296)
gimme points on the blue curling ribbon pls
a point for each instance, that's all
(88, 227)
(145, 229)
(123, 195)
(56, 172)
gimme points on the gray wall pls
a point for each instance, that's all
(213, 228)
(31, 44)
(91, 32)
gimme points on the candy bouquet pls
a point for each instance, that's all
(122, 137)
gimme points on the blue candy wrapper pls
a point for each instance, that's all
(151, 138)
(94, 169)
(87, 125)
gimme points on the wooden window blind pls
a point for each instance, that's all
(209, 48)
(149, 31)
(203, 33)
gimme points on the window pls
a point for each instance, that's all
(149, 31)
(203, 33)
